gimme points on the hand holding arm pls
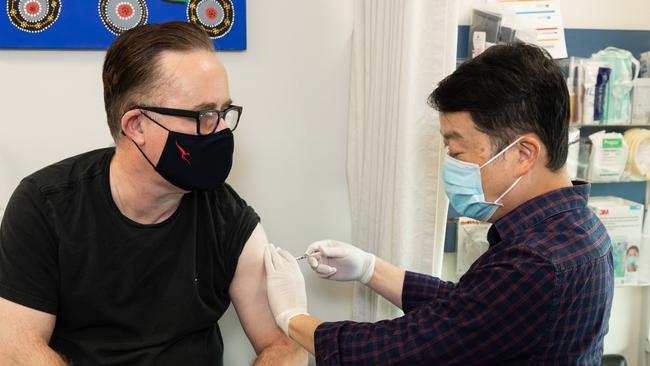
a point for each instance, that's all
(285, 286)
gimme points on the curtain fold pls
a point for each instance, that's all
(401, 49)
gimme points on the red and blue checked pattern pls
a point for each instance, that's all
(540, 295)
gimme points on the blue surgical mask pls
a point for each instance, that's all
(465, 190)
(631, 260)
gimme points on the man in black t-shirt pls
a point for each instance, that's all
(130, 255)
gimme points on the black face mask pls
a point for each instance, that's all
(193, 162)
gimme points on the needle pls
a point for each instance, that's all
(305, 256)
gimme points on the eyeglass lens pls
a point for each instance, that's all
(210, 119)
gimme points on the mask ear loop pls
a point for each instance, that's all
(501, 152)
(138, 147)
(512, 186)
(143, 154)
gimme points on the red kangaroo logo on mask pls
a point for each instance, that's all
(184, 154)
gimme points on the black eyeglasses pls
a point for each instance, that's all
(207, 120)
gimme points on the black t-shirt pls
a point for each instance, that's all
(123, 293)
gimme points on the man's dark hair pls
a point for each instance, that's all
(131, 69)
(510, 90)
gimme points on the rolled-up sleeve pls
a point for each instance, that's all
(442, 322)
(420, 288)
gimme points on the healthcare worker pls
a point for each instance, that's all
(541, 294)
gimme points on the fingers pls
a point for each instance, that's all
(319, 252)
(276, 258)
(314, 247)
(313, 262)
(321, 268)
(325, 271)
(328, 248)
(288, 257)
(268, 260)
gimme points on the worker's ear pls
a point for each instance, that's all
(131, 123)
(529, 148)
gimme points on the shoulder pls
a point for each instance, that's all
(570, 238)
(228, 201)
(70, 171)
(229, 212)
(519, 254)
(226, 194)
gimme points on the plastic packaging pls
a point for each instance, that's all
(583, 158)
(600, 94)
(574, 152)
(488, 24)
(471, 242)
(641, 101)
(578, 90)
(645, 65)
(625, 68)
(608, 156)
(590, 77)
(638, 161)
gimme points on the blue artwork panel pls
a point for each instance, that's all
(94, 24)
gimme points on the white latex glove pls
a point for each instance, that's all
(340, 261)
(285, 286)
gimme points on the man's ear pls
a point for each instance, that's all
(132, 126)
(530, 149)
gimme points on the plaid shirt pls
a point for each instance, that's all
(540, 295)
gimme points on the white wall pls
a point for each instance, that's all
(290, 149)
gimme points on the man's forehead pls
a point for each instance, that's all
(456, 125)
(183, 80)
(180, 63)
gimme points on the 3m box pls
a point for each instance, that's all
(623, 220)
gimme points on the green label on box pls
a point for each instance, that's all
(612, 143)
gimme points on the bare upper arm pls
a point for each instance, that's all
(248, 294)
(21, 325)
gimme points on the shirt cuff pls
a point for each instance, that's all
(326, 343)
(420, 288)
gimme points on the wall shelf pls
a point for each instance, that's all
(639, 284)
(606, 126)
(619, 181)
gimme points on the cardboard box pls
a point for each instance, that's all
(623, 220)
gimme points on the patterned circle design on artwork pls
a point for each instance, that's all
(119, 16)
(125, 11)
(215, 16)
(32, 9)
(210, 13)
(33, 15)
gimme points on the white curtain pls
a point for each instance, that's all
(401, 49)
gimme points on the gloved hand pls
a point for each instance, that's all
(285, 286)
(340, 261)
